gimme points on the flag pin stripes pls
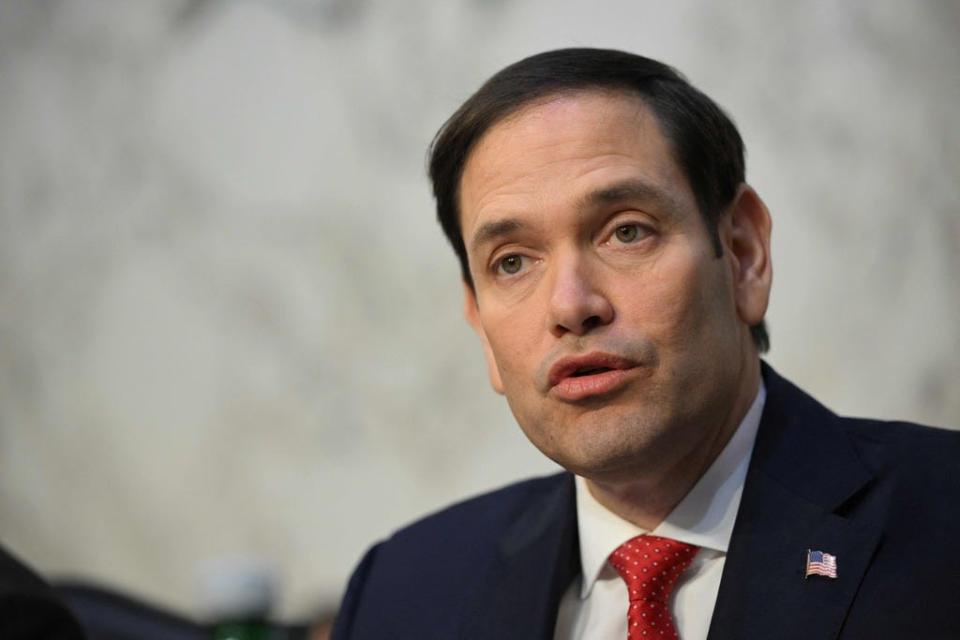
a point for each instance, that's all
(820, 563)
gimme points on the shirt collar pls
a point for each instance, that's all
(703, 518)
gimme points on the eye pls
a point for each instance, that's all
(628, 233)
(510, 264)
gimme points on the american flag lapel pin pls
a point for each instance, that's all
(820, 563)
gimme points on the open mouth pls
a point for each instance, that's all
(589, 371)
(594, 374)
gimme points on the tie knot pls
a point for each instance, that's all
(650, 565)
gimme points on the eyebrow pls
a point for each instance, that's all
(493, 230)
(618, 192)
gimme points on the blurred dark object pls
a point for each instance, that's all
(29, 608)
(108, 615)
(259, 630)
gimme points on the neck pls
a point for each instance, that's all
(648, 497)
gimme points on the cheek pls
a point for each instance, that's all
(682, 305)
(513, 338)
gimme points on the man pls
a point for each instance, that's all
(617, 269)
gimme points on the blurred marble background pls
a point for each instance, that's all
(230, 327)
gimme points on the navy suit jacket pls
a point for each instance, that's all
(881, 497)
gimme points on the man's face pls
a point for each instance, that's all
(618, 336)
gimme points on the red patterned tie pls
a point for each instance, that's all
(650, 566)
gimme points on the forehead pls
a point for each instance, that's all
(559, 148)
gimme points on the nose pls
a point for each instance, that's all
(578, 304)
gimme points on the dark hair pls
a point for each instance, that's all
(706, 143)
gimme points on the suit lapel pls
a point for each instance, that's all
(537, 561)
(803, 476)
(803, 473)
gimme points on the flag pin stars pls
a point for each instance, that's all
(820, 563)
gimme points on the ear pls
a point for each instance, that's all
(748, 244)
(472, 313)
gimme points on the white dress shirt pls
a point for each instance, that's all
(595, 605)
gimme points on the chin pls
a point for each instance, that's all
(615, 469)
(609, 454)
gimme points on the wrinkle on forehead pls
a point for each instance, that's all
(591, 129)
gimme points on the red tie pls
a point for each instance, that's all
(650, 566)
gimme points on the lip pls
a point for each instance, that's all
(613, 372)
